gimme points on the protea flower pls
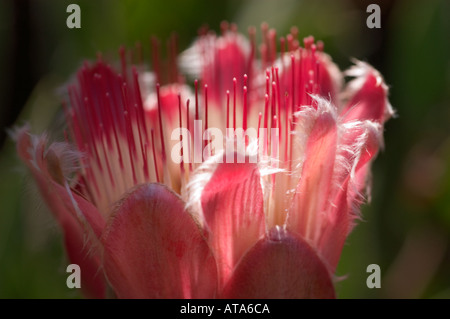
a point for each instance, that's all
(266, 220)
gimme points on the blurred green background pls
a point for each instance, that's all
(405, 228)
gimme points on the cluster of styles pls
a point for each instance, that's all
(270, 225)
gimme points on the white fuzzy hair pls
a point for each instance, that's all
(202, 175)
(359, 71)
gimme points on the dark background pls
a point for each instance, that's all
(406, 227)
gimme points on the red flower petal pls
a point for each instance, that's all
(367, 152)
(280, 265)
(74, 214)
(330, 78)
(369, 97)
(154, 249)
(312, 194)
(335, 228)
(232, 203)
(363, 140)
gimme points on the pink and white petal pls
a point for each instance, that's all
(312, 192)
(331, 78)
(336, 225)
(282, 266)
(77, 217)
(47, 168)
(367, 95)
(358, 144)
(172, 100)
(232, 203)
(370, 142)
(81, 249)
(154, 249)
(216, 60)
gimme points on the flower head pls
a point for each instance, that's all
(243, 185)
